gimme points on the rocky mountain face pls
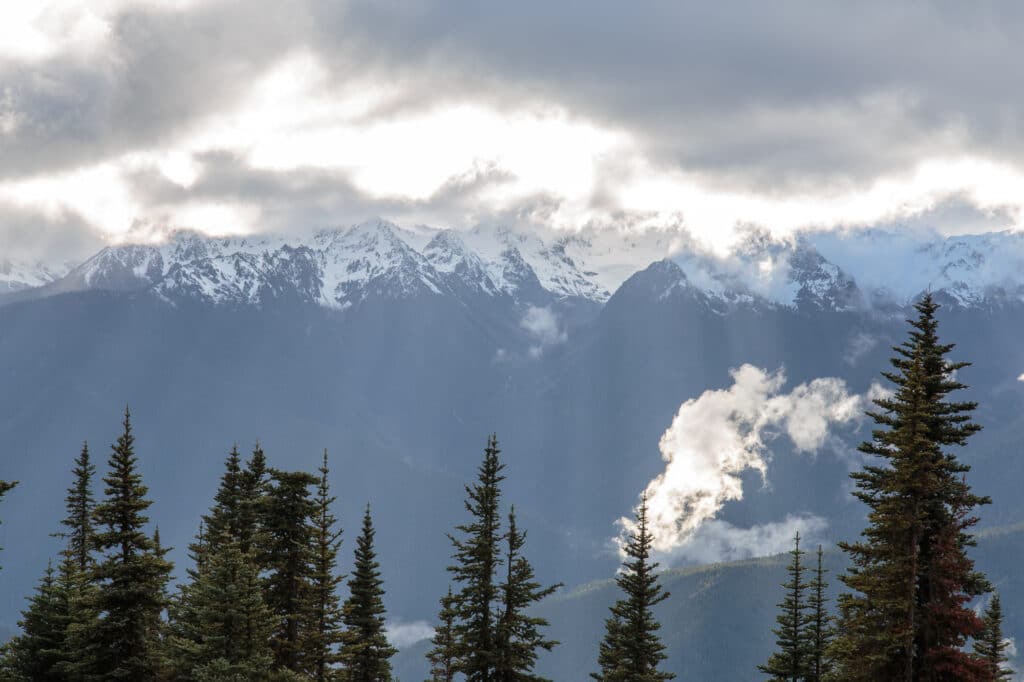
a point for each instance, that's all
(340, 268)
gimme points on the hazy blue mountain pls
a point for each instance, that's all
(399, 351)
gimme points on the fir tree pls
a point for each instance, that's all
(477, 559)
(131, 575)
(36, 653)
(790, 663)
(819, 631)
(253, 496)
(204, 619)
(365, 652)
(907, 618)
(326, 633)
(232, 620)
(79, 657)
(80, 505)
(443, 658)
(518, 634)
(224, 520)
(990, 646)
(288, 534)
(632, 650)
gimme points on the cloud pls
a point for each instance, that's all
(401, 635)
(804, 115)
(859, 345)
(716, 437)
(716, 540)
(544, 327)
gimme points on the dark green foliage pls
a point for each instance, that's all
(288, 534)
(519, 634)
(791, 660)
(990, 646)
(233, 622)
(253, 494)
(444, 659)
(131, 574)
(476, 560)
(365, 652)
(326, 610)
(632, 649)
(36, 653)
(907, 617)
(220, 623)
(819, 630)
(80, 505)
(79, 657)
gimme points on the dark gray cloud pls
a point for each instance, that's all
(769, 92)
(748, 96)
(27, 236)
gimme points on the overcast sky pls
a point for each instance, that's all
(121, 120)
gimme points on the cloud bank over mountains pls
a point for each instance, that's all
(130, 117)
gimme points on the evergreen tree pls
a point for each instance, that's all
(990, 646)
(80, 504)
(326, 633)
(790, 663)
(233, 623)
(288, 534)
(907, 618)
(79, 658)
(820, 631)
(365, 652)
(632, 649)
(518, 634)
(224, 520)
(131, 575)
(216, 610)
(35, 653)
(443, 658)
(477, 558)
(253, 495)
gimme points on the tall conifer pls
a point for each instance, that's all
(632, 649)
(80, 505)
(365, 651)
(790, 661)
(908, 617)
(519, 635)
(327, 626)
(288, 535)
(131, 576)
(820, 630)
(477, 557)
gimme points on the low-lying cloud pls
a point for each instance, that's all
(716, 437)
(717, 540)
(544, 328)
(401, 635)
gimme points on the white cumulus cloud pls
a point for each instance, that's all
(401, 635)
(716, 437)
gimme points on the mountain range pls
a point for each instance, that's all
(399, 350)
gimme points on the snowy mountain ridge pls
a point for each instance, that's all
(338, 268)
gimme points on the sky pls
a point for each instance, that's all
(121, 120)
